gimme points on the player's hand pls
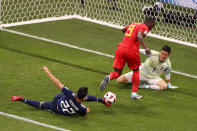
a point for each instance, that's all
(88, 109)
(148, 51)
(45, 68)
(172, 87)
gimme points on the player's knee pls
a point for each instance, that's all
(118, 71)
(163, 87)
(121, 79)
(118, 80)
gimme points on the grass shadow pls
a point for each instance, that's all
(53, 60)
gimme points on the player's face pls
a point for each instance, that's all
(163, 56)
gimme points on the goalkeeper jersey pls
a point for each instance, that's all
(153, 68)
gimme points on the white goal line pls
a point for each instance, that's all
(79, 48)
(32, 121)
(109, 24)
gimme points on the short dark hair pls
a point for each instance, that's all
(149, 20)
(82, 92)
(167, 49)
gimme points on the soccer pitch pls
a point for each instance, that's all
(21, 60)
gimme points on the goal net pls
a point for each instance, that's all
(175, 21)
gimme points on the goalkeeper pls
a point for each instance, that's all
(155, 65)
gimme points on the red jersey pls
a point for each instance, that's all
(130, 39)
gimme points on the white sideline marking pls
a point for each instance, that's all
(79, 48)
(57, 42)
(32, 121)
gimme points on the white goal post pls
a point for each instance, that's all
(176, 23)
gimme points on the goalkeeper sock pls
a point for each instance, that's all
(36, 104)
(114, 75)
(93, 98)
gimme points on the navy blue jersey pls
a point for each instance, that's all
(67, 104)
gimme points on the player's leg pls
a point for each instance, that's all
(91, 98)
(115, 74)
(148, 86)
(135, 84)
(162, 84)
(125, 78)
(51, 106)
(119, 62)
(48, 106)
(36, 104)
(148, 83)
(133, 61)
(155, 84)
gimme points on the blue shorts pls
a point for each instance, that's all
(51, 105)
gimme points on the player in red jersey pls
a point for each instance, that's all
(128, 51)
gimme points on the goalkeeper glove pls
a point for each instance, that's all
(171, 86)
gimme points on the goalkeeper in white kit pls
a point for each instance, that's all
(155, 65)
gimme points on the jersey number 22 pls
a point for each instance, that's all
(66, 108)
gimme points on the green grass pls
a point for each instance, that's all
(105, 39)
(21, 60)
(18, 125)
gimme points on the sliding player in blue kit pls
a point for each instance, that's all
(67, 103)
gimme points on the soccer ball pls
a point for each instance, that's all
(109, 97)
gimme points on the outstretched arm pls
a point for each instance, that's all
(141, 40)
(53, 78)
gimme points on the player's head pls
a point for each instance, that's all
(82, 93)
(165, 52)
(150, 22)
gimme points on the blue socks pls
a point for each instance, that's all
(36, 104)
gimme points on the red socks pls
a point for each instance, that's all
(113, 75)
(135, 81)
